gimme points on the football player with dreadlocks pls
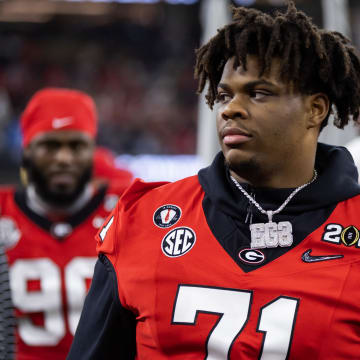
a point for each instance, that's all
(256, 257)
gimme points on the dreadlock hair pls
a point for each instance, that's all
(311, 59)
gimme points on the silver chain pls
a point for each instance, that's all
(270, 213)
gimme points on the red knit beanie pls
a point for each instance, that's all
(58, 109)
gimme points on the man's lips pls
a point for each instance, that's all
(63, 178)
(234, 136)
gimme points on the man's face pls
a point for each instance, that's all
(261, 122)
(60, 164)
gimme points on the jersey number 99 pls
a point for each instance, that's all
(48, 299)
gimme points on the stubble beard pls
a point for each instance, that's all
(249, 170)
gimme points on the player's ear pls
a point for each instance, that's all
(23, 170)
(319, 107)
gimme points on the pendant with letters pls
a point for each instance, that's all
(271, 235)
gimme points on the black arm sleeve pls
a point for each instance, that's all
(106, 329)
(7, 319)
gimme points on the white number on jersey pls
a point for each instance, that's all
(233, 306)
(48, 299)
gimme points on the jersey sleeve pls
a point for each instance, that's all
(107, 325)
(113, 232)
(106, 328)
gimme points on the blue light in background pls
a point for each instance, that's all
(245, 2)
(173, 2)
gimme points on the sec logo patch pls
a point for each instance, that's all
(167, 215)
(178, 242)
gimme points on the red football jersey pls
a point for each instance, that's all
(192, 301)
(51, 266)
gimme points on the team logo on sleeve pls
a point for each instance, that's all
(178, 242)
(166, 215)
(10, 234)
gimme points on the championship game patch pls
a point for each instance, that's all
(167, 215)
(251, 256)
(10, 234)
(178, 242)
(338, 234)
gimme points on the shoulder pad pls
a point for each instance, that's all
(118, 186)
(107, 236)
(137, 190)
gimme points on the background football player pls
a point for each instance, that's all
(49, 223)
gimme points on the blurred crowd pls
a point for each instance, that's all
(139, 71)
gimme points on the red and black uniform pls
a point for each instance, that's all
(177, 279)
(51, 266)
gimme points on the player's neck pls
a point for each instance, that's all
(37, 204)
(279, 179)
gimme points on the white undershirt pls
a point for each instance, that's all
(41, 207)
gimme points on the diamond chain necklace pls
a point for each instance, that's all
(271, 234)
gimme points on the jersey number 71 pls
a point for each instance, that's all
(276, 320)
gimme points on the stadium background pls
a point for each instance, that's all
(135, 58)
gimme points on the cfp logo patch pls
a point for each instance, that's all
(178, 242)
(166, 216)
(337, 234)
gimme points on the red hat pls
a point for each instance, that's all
(54, 109)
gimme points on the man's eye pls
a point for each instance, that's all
(78, 146)
(223, 97)
(50, 145)
(259, 94)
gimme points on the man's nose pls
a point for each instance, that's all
(234, 109)
(64, 155)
